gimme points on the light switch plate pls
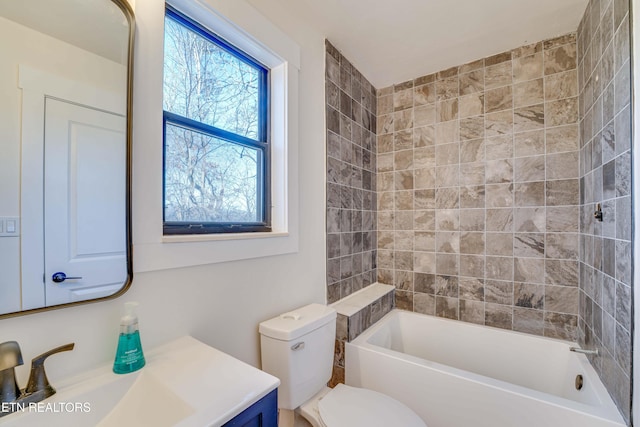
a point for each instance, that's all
(9, 226)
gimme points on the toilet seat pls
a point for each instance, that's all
(346, 406)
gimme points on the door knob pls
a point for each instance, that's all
(60, 277)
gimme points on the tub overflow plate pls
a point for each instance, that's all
(579, 382)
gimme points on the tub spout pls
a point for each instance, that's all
(583, 351)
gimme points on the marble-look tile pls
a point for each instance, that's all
(448, 198)
(529, 295)
(446, 286)
(498, 99)
(404, 300)
(424, 178)
(403, 180)
(529, 245)
(448, 242)
(562, 139)
(472, 219)
(472, 151)
(499, 244)
(559, 41)
(424, 94)
(499, 268)
(424, 262)
(528, 320)
(471, 288)
(526, 50)
(447, 219)
(529, 194)
(472, 173)
(499, 171)
(403, 99)
(403, 119)
(529, 270)
(471, 66)
(471, 105)
(424, 283)
(529, 143)
(529, 118)
(424, 157)
(623, 174)
(499, 220)
(498, 75)
(402, 160)
(561, 299)
(424, 303)
(498, 316)
(528, 67)
(424, 115)
(499, 147)
(422, 80)
(499, 195)
(560, 59)
(472, 311)
(562, 165)
(562, 192)
(424, 241)
(530, 168)
(447, 307)
(623, 261)
(623, 305)
(385, 142)
(561, 272)
(472, 82)
(447, 88)
(447, 264)
(422, 137)
(447, 110)
(447, 176)
(561, 112)
(562, 326)
(497, 59)
(472, 266)
(472, 243)
(499, 123)
(564, 218)
(561, 85)
(529, 219)
(528, 93)
(447, 154)
(562, 246)
(403, 280)
(472, 196)
(472, 128)
(447, 132)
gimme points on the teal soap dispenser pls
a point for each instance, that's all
(129, 356)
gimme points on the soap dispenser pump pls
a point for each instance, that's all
(129, 356)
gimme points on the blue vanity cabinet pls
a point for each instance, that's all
(263, 413)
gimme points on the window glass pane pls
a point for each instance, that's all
(206, 83)
(210, 180)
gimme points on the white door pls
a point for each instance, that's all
(84, 202)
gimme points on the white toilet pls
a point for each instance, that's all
(297, 347)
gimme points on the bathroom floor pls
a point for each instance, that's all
(300, 421)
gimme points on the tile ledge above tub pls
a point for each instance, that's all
(363, 308)
(352, 304)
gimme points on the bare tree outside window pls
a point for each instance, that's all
(209, 178)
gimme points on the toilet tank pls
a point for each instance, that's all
(297, 347)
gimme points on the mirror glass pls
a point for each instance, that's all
(65, 141)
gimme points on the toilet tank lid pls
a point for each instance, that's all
(294, 324)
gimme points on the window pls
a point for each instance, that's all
(216, 175)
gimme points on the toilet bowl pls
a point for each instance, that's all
(345, 406)
(298, 348)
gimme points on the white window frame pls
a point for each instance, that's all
(244, 27)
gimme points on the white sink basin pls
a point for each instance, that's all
(185, 383)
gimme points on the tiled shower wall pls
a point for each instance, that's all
(477, 179)
(351, 184)
(605, 160)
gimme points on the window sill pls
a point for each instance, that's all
(221, 236)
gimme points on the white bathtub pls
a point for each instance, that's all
(456, 374)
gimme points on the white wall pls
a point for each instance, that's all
(220, 304)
